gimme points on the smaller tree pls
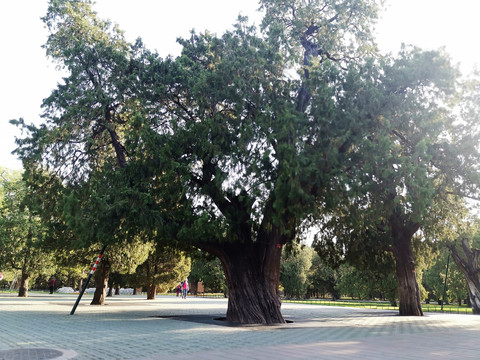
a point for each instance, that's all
(434, 280)
(367, 283)
(122, 257)
(321, 279)
(294, 269)
(22, 234)
(209, 271)
(162, 270)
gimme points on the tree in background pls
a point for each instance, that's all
(400, 167)
(209, 271)
(457, 289)
(294, 270)
(366, 283)
(122, 257)
(22, 234)
(163, 269)
(321, 279)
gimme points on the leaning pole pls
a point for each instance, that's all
(88, 279)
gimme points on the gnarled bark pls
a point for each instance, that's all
(252, 270)
(408, 290)
(469, 265)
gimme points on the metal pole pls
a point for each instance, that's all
(88, 279)
(445, 284)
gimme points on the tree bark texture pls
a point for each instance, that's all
(408, 290)
(101, 282)
(469, 265)
(23, 289)
(151, 291)
(151, 287)
(252, 271)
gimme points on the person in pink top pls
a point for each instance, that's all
(185, 289)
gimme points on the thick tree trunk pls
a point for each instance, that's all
(23, 289)
(252, 272)
(469, 265)
(151, 291)
(101, 283)
(408, 290)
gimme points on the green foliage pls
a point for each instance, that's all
(163, 268)
(366, 284)
(225, 144)
(209, 271)
(96, 139)
(434, 279)
(22, 234)
(294, 271)
(398, 160)
(321, 278)
(425, 255)
(124, 257)
(223, 123)
(339, 30)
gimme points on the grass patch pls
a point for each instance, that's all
(455, 309)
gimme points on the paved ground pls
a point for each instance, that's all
(130, 327)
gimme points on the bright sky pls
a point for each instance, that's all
(27, 76)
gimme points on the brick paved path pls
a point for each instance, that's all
(130, 327)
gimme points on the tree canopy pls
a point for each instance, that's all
(233, 145)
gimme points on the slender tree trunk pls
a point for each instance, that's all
(101, 283)
(408, 290)
(110, 287)
(252, 271)
(469, 265)
(151, 287)
(23, 289)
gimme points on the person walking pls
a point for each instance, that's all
(185, 289)
(51, 284)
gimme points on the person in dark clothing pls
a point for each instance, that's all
(51, 284)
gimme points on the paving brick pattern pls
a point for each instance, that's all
(130, 327)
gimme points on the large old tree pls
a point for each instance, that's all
(226, 130)
(230, 146)
(255, 161)
(414, 155)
